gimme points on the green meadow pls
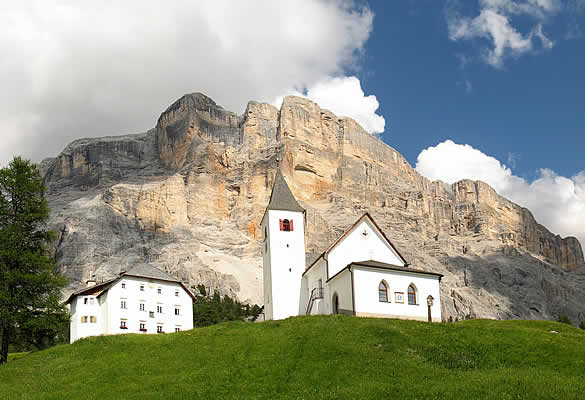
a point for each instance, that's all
(328, 357)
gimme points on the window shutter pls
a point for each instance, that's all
(281, 225)
(291, 225)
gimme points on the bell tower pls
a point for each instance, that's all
(283, 250)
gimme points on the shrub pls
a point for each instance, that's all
(582, 325)
(564, 319)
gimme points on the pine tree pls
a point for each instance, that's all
(30, 288)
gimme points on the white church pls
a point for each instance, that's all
(143, 300)
(360, 274)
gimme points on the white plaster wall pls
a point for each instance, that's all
(79, 329)
(357, 247)
(286, 264)
(366, 281)
(109, 312)
(267, 275)
(150, 297)
(341, 285)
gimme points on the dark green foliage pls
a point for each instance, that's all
(30, 298)
(582, 325)
(215, 309)
(564, 319)
(327, 357)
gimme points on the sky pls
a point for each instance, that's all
(479, 89)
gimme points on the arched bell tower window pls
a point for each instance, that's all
(286, 225)
(411, 294)
(383, 292)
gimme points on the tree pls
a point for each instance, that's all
(564, 319)
(210, 310)
(30, 287)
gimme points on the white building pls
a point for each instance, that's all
(141, 300)
(360, 274)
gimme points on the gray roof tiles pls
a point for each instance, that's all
(281, 197)
(148, 271)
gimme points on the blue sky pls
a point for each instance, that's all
(529, 114)
(489, 90)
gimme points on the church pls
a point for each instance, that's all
(360, 274)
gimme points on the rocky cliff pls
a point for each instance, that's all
(188, 196)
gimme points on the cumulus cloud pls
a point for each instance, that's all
(344, 97)
(494, 25)
(75, 69)
(557, 202)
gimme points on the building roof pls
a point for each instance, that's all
(139, 270)
(148, 271)
(381, 265)
(377, 264)
(335, 243)
(281, 197)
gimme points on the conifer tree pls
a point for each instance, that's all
(30, 288)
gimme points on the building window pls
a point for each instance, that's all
(123, 324)
(177, 311)
(123, 304)
(159, 329)
(176, 293)
(123, 285)
(151, 314)
(286, 225)
(84, 319)
(177, 329)
(159, 290)
(411, 294)
(383, 292)
(85, 300)
(91, 300)
(142, 288)
(142, 327)
(265, 233)
(142, 307)
(92, 319)
(159, 309)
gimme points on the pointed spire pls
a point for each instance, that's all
(281, 197)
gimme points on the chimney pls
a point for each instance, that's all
(91, 281)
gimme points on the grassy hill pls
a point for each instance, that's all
(332, 357)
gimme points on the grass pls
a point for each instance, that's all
(333, 357)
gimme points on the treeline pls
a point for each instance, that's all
(210, 310)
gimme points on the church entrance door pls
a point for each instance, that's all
(335, 303)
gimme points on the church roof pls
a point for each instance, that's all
(381, 265)
(148, 271)
(334, 244)
(281, 197)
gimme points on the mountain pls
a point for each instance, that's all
(188, 196)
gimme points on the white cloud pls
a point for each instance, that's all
(344, 97)
(494, 24)
(557, 202)
(75, 69)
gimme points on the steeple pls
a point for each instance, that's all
(281, 197)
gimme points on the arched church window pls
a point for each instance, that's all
(286, 225)
(411, 294)
(383, 292)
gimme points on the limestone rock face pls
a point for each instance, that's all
(188, 197)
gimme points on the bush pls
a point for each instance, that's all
(582, 325)
(564, 319)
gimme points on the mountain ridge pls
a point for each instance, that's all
(188, 196)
